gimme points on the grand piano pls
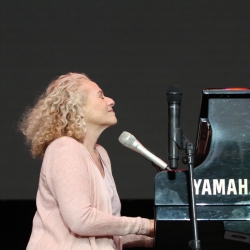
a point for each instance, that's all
(221, 179)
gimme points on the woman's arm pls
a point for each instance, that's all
(68, 179)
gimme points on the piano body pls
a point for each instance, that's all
(221, 178)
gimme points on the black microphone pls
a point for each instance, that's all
(174, 96)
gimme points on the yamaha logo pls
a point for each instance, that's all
(221, 186)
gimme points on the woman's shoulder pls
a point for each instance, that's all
(64, 142)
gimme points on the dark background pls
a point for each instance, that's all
(134, 50)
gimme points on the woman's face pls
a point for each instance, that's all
(98, 109)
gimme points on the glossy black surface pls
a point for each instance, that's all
(219, 212)
(227, 162)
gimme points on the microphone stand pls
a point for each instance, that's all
(189, 160)
(183, 143)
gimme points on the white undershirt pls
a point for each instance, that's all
(115, 201)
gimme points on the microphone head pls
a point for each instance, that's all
(126, 139)
(174, 94)
(174, 89)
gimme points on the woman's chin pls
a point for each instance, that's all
(114, 122)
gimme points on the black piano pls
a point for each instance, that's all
(221, 179)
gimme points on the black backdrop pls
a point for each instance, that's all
(134, 50)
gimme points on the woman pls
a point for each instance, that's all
(77, 203)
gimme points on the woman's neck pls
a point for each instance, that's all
(90, 140)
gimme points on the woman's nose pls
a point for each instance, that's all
(111, 102)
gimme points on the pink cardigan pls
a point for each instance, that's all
(73, 204)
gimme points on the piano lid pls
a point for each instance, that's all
(220, 93)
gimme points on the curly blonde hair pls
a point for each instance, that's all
(58, 112)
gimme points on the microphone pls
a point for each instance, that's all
(129, 141)
(175, 136)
